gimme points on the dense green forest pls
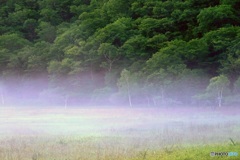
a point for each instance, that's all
(120, 52)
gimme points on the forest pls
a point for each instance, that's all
(120, 52)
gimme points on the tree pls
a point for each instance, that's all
(64, 80)
(237, 86)
(38, 58)
(157, 84)
(216, 17)
(83, 46)
(135, 48)
(2, 92)
(127, 83)
(115, 33)
(115, 9)
(110, 53)
(219, 42)
(151, 26)
(217, 86)
(46, 32)
(231, 65)
(5, 55)
(101, 96)
(196, 54)
(163, 9)
(29, 27)
(234, 99)
(90, 22)
(167, 57)
(156, 42)
(164, 68)
(13, 42)
(190, 83)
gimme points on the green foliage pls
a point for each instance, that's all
(12, 42)
(167, 57)
(222, 38)
(135, 48)
(66, 66)
(163, 43)
(237, 85)
(115, 33)
(217, 89)
(115, 9)
(127, 84)
(126, 80)
(189, 84)
(149, 26)
(4, 57)
(217, 84)
(46, 32)
(231, 65)
(216, 17)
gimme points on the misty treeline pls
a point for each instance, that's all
(127, 52)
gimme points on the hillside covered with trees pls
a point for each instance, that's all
(120, 52)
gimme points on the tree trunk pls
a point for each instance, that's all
(148, 101)
(219, 102)
(110, 66)
(129, 94)
(2, 99)
(129, 99)
(66, 101)
(162, 96)
(154, 101)
(91, 71)
(220, 92)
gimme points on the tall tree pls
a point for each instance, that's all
(215, 17)
(127, 83)
(110, 53)
(231, 65)
(217, 87)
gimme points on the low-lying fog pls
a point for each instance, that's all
(154, 126)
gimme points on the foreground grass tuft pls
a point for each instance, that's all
(190, 153)
(40, 148)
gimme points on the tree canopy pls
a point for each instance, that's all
(112, 49)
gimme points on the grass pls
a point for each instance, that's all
(190, 153)
(117, 134)
(104, 148)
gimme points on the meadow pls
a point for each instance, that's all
(118, 133)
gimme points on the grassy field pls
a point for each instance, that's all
(118, 133)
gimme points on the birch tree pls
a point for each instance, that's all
(2, 93)
(127, 84)
(217, 87)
